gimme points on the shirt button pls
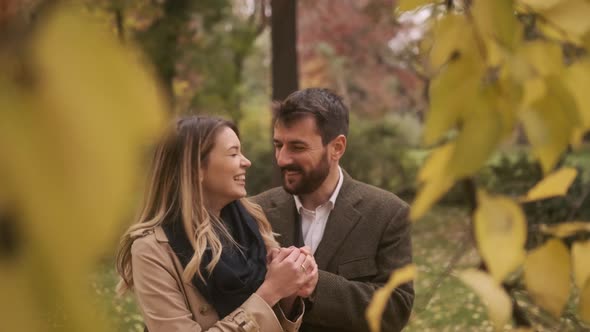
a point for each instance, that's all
(204, 308)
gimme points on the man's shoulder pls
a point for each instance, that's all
(376, 194)
(266, 198)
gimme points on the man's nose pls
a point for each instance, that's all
(282, 156)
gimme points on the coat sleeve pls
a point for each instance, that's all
(164, 307)
(340, 304)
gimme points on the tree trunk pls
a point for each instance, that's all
(285, 78)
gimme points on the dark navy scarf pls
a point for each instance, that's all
(239, 272)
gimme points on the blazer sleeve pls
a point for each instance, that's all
(340, 304)
(164, 307)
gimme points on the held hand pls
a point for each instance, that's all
(285, 275)
(312, 270)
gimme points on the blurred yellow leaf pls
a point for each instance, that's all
(545, 57)
(491, 294)
(581, 262)
(584, 304)
(452, 34)
(496, 21)
(565, 229)
(382, 295)
(106, 106)
(571, 16)
(540, 4)
(408, 5)
(435, 180)
(500, 231)
(554, 184)
(547, 276)
(446, 108)
(436, 163)
(549, 123)
(577, 78)
(428, 194)
(72, 142)
(534, 89)
(480, 133)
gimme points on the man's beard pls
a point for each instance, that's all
(309, 181)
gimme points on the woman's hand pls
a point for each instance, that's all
(286, 274)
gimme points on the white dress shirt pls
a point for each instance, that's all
(313, 223)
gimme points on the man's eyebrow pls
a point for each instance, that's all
(295, 141)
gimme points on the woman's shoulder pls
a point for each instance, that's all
(149, 241)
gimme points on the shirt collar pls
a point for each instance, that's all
(331, 201)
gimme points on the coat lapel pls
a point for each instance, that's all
(281, 215)
(342, 220)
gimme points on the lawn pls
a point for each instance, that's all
(442, 244)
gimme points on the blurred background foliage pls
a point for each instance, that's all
(59, 170)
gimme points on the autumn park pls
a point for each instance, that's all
(474, 112)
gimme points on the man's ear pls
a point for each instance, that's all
(338, 146)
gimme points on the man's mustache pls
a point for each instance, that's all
(292, 168)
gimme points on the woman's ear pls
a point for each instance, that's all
(338, 146)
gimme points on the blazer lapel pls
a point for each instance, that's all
(342, 220)
(281, 215)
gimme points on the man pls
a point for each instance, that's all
(357, 233)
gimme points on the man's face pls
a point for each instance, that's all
(301, 156)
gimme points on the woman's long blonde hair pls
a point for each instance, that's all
(174, 189)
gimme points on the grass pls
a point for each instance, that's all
(442, 302)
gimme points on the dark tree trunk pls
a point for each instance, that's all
(285, 78)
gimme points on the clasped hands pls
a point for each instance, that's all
(296, 268)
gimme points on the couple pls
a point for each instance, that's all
(202, 257)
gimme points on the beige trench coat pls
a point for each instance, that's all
(168, 304)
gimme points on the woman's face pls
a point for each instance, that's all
(224, 175)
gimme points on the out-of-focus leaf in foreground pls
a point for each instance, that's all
(491, 294)
(71, 145)
(500, 230)
(547, 276)
(381, 297)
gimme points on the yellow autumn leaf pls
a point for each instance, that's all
(446, 109)
(491, 294)
(429, 194)
(570, 16)
(496, 21)
(479, 136)
(500, 231)
(584, 304)
(381, 297)
(565, 229)
(546, 58)
(111, 107)
(581, 263)
(547, 276)
(554, 184)
(436, 163)
(549, 123)
(538, 5)
(408, 5)
(452, 33)
(72, 142)
(577, 78)
(534, 89)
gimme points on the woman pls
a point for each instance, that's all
(201, 257)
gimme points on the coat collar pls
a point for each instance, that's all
(342, 220)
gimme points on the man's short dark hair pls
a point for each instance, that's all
(326, 107)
